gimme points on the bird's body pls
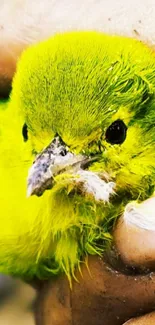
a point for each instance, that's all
(83, 96)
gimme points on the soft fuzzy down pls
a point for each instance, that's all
(74, 86)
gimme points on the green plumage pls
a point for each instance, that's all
(74, 85)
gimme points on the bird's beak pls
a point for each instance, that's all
(53, 160)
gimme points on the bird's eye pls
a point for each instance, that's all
(116, 132)
(25, 132)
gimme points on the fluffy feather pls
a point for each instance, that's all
(74, 85)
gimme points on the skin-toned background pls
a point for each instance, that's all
(23, 22)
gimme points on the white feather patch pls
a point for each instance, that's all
(95, 186)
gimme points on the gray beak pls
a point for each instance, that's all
(56, 159)
(52, 161)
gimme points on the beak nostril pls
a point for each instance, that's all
(63, 152)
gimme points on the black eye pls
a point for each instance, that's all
(116, 132)
(25, 132)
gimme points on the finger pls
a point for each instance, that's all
(102, 296)
(134, 235)
(148, 319)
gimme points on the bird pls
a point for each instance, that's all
(77, 146)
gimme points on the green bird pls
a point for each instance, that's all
(77, 143)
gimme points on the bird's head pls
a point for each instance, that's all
(86, 106)
(87, 100)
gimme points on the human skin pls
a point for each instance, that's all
(134, 235)
(103, 296)
(144, 320)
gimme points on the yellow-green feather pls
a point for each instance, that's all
(76, 85)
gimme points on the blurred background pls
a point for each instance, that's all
(23, 22)
(16, 302)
